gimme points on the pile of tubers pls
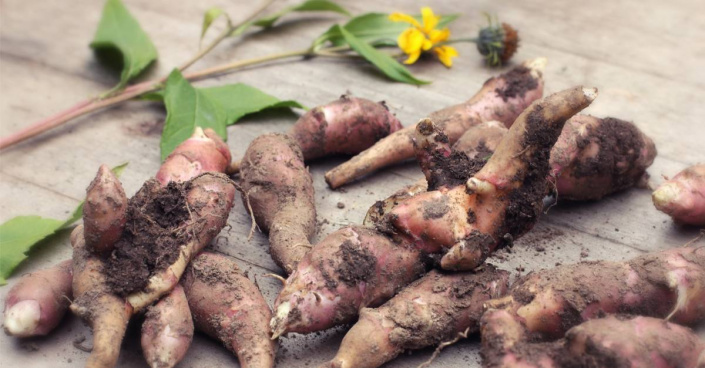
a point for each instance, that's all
(414, 273)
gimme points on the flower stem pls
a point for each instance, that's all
(136, 90)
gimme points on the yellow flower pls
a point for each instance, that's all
(424, 36)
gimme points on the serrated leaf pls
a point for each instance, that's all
(17, 236)
(306, 6)
(186, 109)
(119, 36)
(385, 63)
(241, 99)
(375, 29)
(209, 17)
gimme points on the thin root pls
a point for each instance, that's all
(252, 217)
(461, 335)
(696, 239)
(273, 275)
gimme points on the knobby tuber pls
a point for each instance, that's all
(167, 223)
(683, 197)
(595, 157)
(345, 126)
(167, 330)
(432, 310)
(350, 269)
(668, 284)
(105, 211)
(502, 201)
(501, 98)
(227, 306)
(612, 341)
(278, 188)
(37, 303)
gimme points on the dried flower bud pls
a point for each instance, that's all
(498, 43)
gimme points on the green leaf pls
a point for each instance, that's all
(120, 40)
(306, 6)
(240, 99)
(310, 5)
(390, 67)
(375, 29)
(17, 236)
(209, 17)
(186, 109)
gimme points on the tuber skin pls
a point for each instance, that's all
(208, 198)
(668, 284)
(36, 304)
(277, 185)
(502, 201)
(613, 341)
(104, 212)
(683, 197)
(167, 330)
(346, 126)
(350, 269)
(433, 309)
(595, 157)
(227, 306)
(203, 152)
(501, 98)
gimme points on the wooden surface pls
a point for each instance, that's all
(645, 57)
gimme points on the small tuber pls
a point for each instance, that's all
(683, 197)
(167, 330)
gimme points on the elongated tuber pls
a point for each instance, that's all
(433, 309)
(501, 98)
(502, 201)
(545, 304)
(37, 303)
(167, 330)
(227, 306)
(595, 157)
(104, 212)
(683, 197)
(278, 188)
(350, 269)
(612, 341)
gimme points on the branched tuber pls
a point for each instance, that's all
(502, 201)
(37, 303)
(502, 98)
(278, 188)
(433, 309)
(227, 306)
(683, 197)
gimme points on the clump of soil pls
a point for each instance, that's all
(157, 226)
(518, 81)
(358, 264)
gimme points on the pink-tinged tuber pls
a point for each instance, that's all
(502, 201)
(501, 98)
(167, 330)
(668, 284)
(350, 269)
(595, 157)
(683, 197)
(432, 310)
(104, 211)
(278, 188)
(347, 126)
(227, 306)
(37, 303)
(613, 341)
(203, 152)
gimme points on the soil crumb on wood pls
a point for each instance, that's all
(157, 225)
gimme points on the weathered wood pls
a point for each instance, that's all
(645, 57)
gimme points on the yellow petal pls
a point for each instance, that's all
(399, 17)
(446, 54)
(437, 36)
(412, 57)
(430, 20)
(411, 41)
